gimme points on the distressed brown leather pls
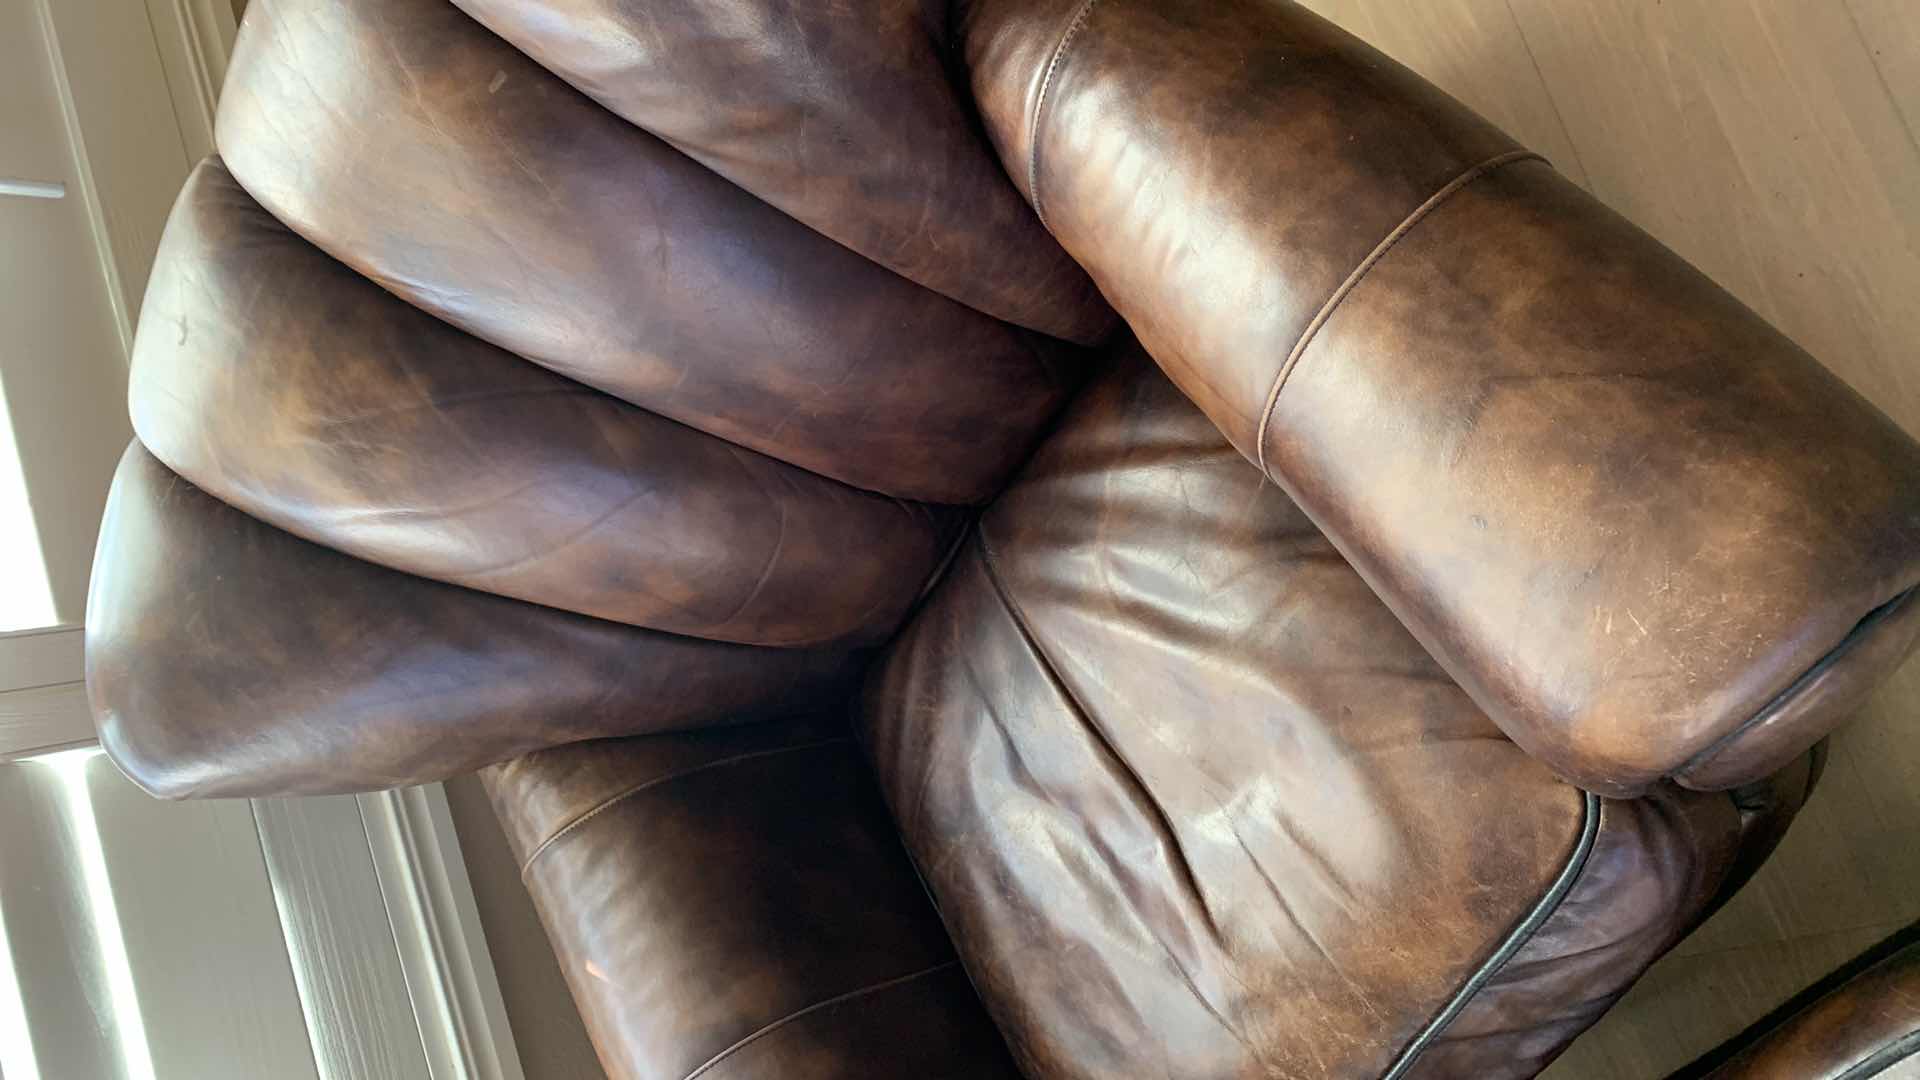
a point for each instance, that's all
(697, 413)
(1193, 802)
(449, 458)
(735, 904)
(841, 115)
(1867, 1026)
(226, 657)
(1643, 529)
(1659, 866)
(449, 168)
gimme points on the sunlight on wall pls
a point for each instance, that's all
(26, 598)
(136, 1060)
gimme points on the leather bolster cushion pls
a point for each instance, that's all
(226, 657)
(1646, 532)
(735, 903)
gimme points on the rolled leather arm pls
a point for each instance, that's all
(1650, 535)
(1867, 1026)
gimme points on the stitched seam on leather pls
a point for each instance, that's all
(889, 984)
(1040, 105)
(612, 800)
(1359, 273)
(1515, 940)
(1854, 636)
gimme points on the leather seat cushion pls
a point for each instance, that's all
(1193, 803)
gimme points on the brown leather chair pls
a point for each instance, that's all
(1075, 538)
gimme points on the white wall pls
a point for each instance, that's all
(61, 365)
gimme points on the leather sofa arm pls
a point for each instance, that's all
(1649, 534)
(1866, 1026)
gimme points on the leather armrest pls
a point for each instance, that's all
(1649, 534)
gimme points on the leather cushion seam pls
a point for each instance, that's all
(1353, 279)
(1040, 104)
(1516, 939)
(1854, 636)
(612, 800)
(768, 1029)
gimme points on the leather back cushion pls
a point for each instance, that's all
(845, 116)
(433, 157)
(228, 657)
(438, 325)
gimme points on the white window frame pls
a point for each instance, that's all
(372, 892)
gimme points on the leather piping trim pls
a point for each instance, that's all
(610, 801)
(1885, 1058)
(714, 1061)
(1379, 252)
(1515, 940)
(1040, 103)
(1867, 624)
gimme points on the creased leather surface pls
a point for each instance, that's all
(1624, 513)
(842, 115)
(412, 144)
(289, 386)
(735, 904)
(225, 657)
(1195, 805)
(1867, 1027)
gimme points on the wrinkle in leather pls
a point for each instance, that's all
(1190, 800)
(534, 359)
